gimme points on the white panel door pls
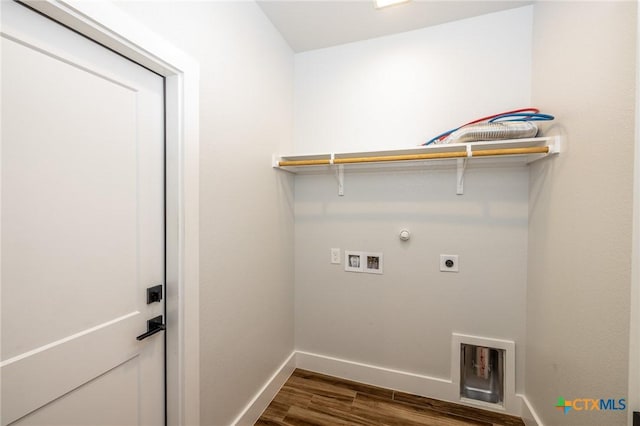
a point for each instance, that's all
(82, 229)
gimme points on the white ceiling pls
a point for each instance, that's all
(314, 24)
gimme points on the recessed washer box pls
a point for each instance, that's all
(359, 261)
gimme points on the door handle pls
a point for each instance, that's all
(154, 325)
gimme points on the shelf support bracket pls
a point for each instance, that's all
(340, 178)
(460, 169)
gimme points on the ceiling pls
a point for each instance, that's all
(315, 24)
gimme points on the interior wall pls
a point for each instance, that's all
(404, 318)
(246, 208)
(580, 210)
(398, 91)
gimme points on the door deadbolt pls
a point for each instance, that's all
(154, 294)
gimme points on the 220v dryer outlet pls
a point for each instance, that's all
(449, 263)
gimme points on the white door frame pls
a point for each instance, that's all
(105, 23)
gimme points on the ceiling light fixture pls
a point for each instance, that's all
(386, 3)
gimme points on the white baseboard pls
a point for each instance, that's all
(417, 384)
(263, 398)
(378, 376)
(528, 414)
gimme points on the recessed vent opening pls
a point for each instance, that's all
(482, 373)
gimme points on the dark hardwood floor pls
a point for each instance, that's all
(309, 398)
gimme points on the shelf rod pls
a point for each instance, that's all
(413, 157)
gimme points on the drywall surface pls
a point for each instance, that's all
(404, 318)
(399, 91)
(580, 210)
(396, 92)
(246, 210)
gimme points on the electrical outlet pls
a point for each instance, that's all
(449, 263)
(335, 255)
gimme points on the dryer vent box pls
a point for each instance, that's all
(482, 373)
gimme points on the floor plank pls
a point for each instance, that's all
(289, 395)
(309, 398)
(276, 411)
(324, 417)
(321, 388)
(319, 402)
(346, 384)
(389, 412)
(458, 409)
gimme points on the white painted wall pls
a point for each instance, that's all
(403, 319)
(398, 91)
(580, 209)
(246, 215)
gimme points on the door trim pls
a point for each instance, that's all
(633, 402)
(108, 25)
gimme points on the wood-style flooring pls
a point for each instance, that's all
(309, 398)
